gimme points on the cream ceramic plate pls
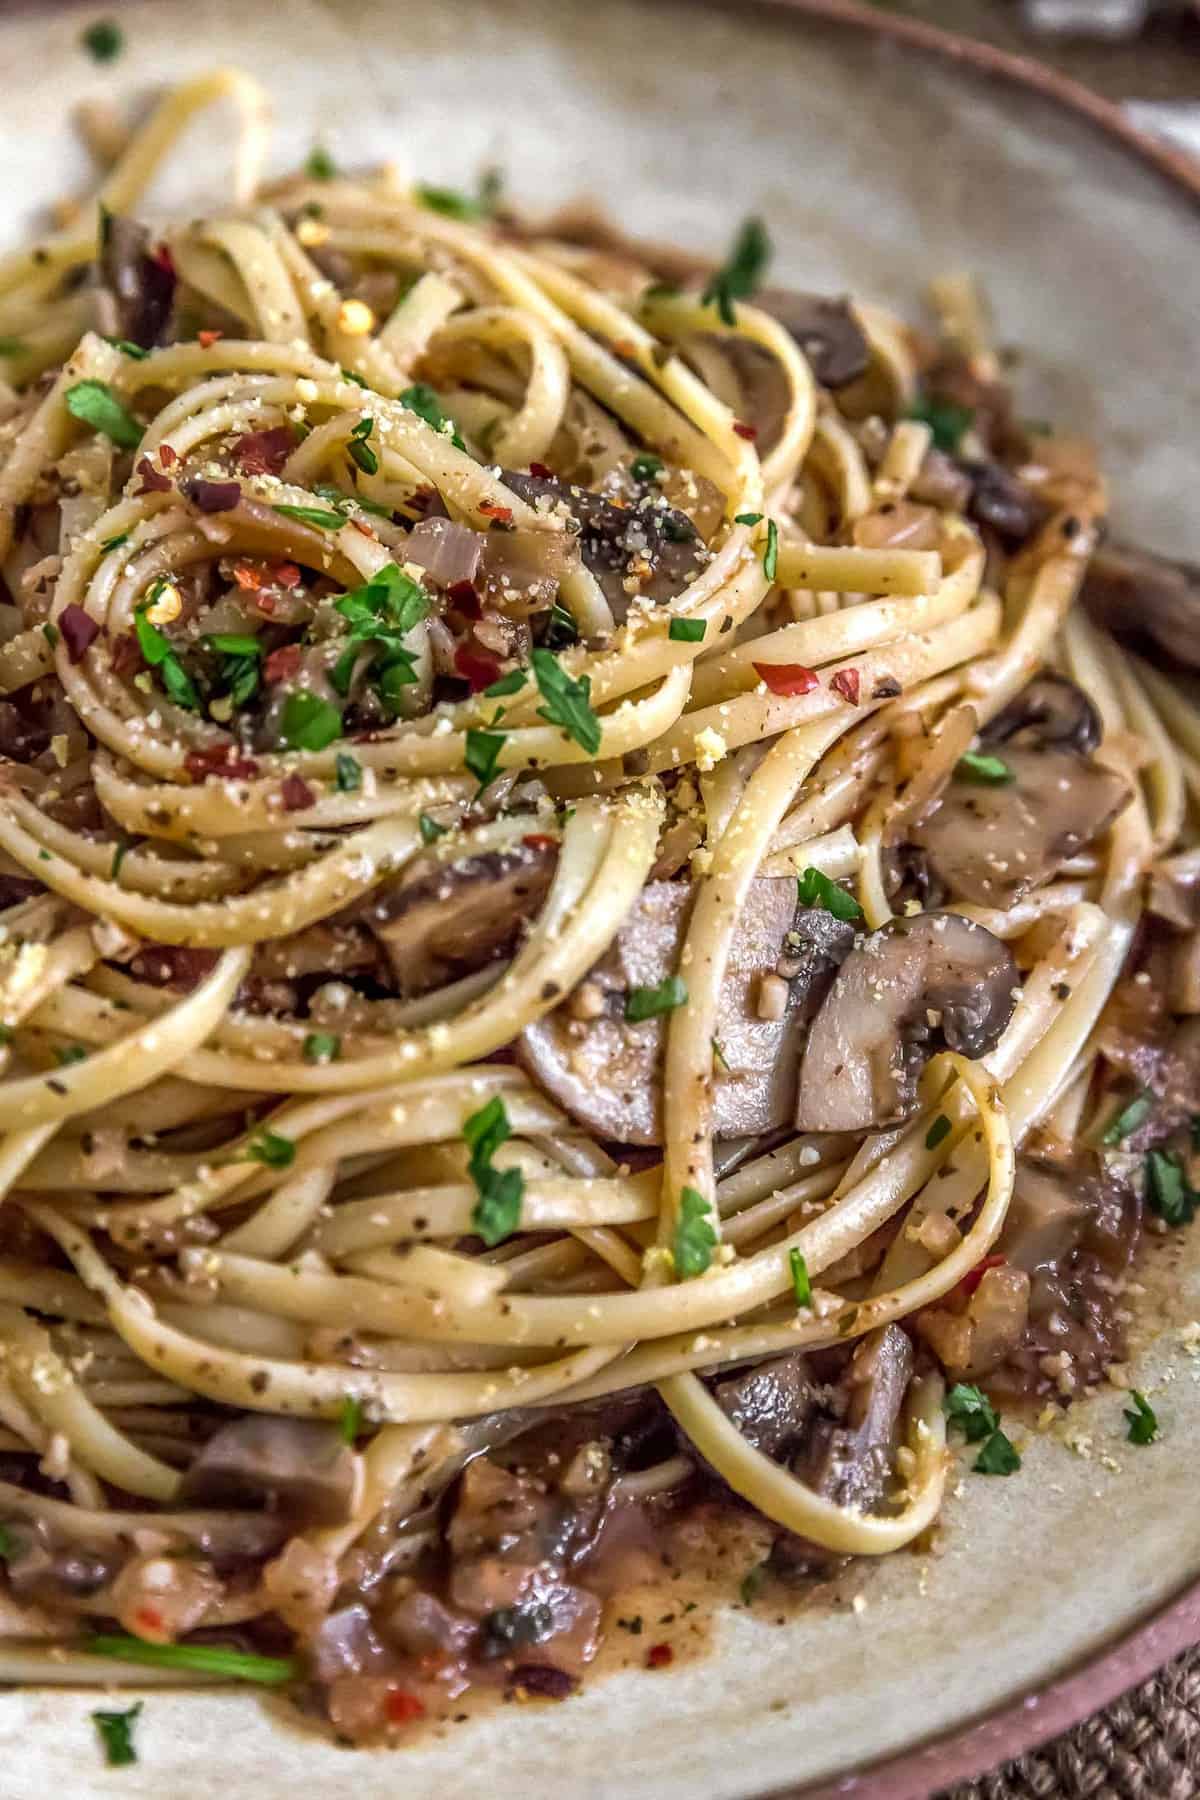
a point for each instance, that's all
(875, 167)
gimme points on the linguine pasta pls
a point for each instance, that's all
(567, 852)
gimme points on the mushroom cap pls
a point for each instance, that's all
(1131, 590)
(917, 985)
(298, 1467)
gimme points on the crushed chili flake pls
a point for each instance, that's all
(539, 840)
(749, 432)
(464, 599)
(220, 759)
(164, 259)
(153, 480)
(249, 576)
(126, 655)
(973, 1277)
(659, 1656)
(264, 452)
(846, 683)
(285, 575)
(476, 668)
(149, 1621)
(283, 664)
(541, 471)
(79, 631)
(624, 347)
(206, 339)
(787, 678)
(167, 457)
(296, 793)
(402, 1708)
(491, 511)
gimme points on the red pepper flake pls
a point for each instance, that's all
(787, 678)
(749, 432)
(220, 759)
(539, 840)
(478, 670)
(125, 657)
(491, 511)
(624, 347)
(148, 1621)
(153, 480)
(403, 1708)
(541, 471)
(659, 1656)
(973, 1277)
(164, 259)
(283, 664)
(464, 599)
(167, 457)
(249, 576)
(264, 452)
(296, 793)
(206, 339)
(285, 575)
(79, 631)
(361, 525)
(845, 683)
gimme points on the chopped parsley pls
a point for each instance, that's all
(687, 631)
(308, 722)
(561, 629)
(361, 453)
(568, 702)
(747, 519)
(322, 518)
(156, 649)
(270, 1148)
(239, 676)
(120, 852)
(771, 553)
(350, 1419)
(421, 399)
(208, 1659)
(646, 467)
(50, 633)
(134, 351)
(801, 1284)
(1167, 1190)
(1141, 1419)
(429, 828)
(948, 423)
(104, 41)
(347, 773)
(320, 165)
(70, 1053)
(815, 889)
(972, 1412)
(452, 203)
(95, 404)
(1125, 1122)
(322, 1047)
(114, 543)
(695, 1239)
(741, 272)
(938, 1132)
(512, 683)
(752, 1583)
(984, 770)
(381, 613)
(648, 1002)
(497, 1212)
(483, 753)
(116, 1734)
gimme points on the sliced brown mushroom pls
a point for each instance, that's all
(607, 1072)
(1001, 500)
(442, 922)
(1048, 710)
(299, 1467)
(139, 285)
(918, 985)
(1132, 591)
(653, 546)
(850, 1463)
(991, 844)
(771, 1403)
(825, 329)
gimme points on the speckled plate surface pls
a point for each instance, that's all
(876, 164)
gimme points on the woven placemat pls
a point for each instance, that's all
(1145, 1746)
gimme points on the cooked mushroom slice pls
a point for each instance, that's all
(299, 1467)
(990, 844)
(935, 981)
(607, 1072)
(747, 378)
(825, 329)
(448, 920)
(850, 1463)
(1001, 500)
(771, 1403)
(1132, 591)
(141, 286)
(651, 545)
(1048, 710)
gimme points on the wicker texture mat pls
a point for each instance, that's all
(1146, 1746)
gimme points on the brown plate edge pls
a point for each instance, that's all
(1033, 1719)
